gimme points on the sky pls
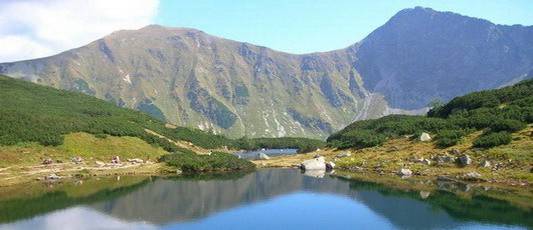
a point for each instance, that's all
(38, 28)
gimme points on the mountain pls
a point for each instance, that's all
(191, 78)
(47, 116)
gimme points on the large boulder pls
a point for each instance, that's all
(425, 137)
(318, 163)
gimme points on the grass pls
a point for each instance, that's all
(85, 145)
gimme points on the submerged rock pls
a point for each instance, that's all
(424, 194)
(314, 164)
(425, 137)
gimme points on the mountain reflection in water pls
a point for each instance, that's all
(267, 199)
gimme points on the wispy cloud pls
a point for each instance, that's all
(38, 28)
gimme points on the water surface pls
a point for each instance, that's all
(266, 199)
(254, 155)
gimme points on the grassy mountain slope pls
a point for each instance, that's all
(34, 113)
(496, 112)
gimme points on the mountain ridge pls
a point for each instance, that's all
(192, 78)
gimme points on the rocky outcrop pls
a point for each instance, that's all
(317, 163)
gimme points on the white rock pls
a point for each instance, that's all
(424, 194)
(263, 156)
(136, 161)
(405, 172)
(314, 164)
(425, 137)
(343, 154)
(99, 163)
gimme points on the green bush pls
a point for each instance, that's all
(190, 162)
(492, 139)
(507, 109)
(359, 139)
(447, 138)
(507, 125)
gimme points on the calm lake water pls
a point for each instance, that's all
(265, 199)
(254, 155)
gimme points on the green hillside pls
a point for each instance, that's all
(34, 113)
(497, 113)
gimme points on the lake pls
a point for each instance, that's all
(265, 199)
(254, 155)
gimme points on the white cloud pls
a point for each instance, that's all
(37, 28)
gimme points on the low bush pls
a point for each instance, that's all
(447, 138)
(507, 125)
(492, 139)
(190, 162)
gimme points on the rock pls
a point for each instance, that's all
(115, 160)
(343, 154)
(486, 164)
(52, 176)
(136, 161)
(464, 160)
(426, 162)
(425, 137)
(263, 156)
(455, 152)
(473, 176)
(48, 161)
(99, 163)
(314, 164)
(424, 194)
(330, 165)
(77, 160)
(405, 172)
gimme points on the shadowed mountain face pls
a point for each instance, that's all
(190, 78)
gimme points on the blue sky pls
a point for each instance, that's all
(301, 26)
(39, 28)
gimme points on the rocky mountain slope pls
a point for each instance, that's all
(191, 78)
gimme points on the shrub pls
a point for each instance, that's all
(507, 125)
(492, 139)
(190, 162)
(359, 139)
(447, 138)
